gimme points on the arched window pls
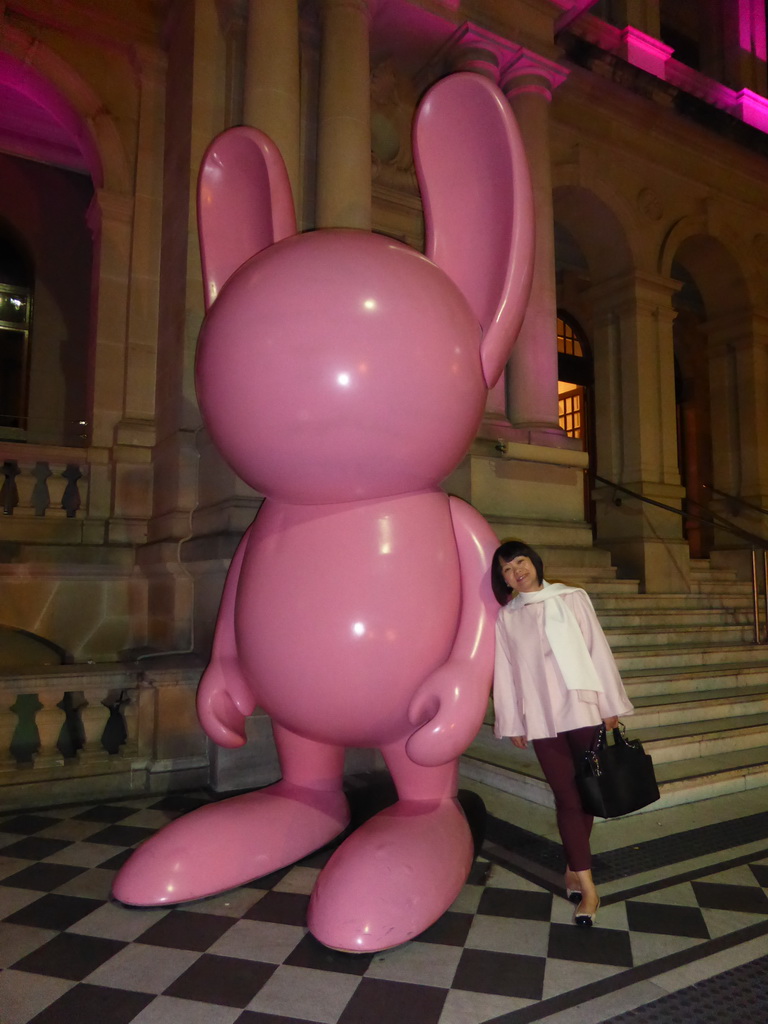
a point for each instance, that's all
(15, 322)
(574, 371)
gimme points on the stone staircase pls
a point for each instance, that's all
(698, 682)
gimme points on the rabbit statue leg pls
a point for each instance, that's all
(225, 844)
(401, 870)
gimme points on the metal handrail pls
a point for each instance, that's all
(713, 519)
(736, 498)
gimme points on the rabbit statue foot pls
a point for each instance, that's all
(393, 877)
(223, 845)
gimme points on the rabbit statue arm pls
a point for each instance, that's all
(449, 706)
(224, 697)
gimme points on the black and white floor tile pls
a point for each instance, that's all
(507, 950)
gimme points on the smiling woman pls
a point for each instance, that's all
(514, 565)
(554, 681)
(521, 575)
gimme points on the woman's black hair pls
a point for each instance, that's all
(505, 553)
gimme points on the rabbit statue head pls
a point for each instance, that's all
(341, 365)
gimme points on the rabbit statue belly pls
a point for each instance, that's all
(320, 607)
(344, 375)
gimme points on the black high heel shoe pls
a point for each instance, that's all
(586, 920)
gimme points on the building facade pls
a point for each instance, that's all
(636, 387)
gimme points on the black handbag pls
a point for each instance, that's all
(614, 780)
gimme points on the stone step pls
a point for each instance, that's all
(682, 780)
(686, 740)
(679, 782)
(654, 683)
(671, 601)
(627, 638)
(652, 603)
(715, 775)
(665, 659)
(673, 709)
(682, 740)
(551, 537)
(587, 577)
(678, 618)
(597, 588)
(586, 557)
(709, 574)
(726, 588)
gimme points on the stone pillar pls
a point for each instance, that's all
(146, 240)
(134, 436)
(639, 14)
(636, 420)
(272, 100)
(532, 402)
(110, 219)
(197, 64)
(344, 129)
(738, 361)
(742, 40)
(120, 453)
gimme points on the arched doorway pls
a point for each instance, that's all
(719, 443)
(575, 387)
(46, 260)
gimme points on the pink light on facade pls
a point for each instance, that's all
(752, 36)
(569, 16)
(414, 34)
(52, 127)
(645, 51)
(752, 109)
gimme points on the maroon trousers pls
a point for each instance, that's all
(557, 756)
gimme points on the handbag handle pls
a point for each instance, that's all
(620, 735)
(600, 740)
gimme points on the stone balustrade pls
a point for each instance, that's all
(36, 480)
(81, 732)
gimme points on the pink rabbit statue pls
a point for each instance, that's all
(343, 375)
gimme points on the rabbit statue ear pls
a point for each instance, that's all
(244, 203)
(478, 205)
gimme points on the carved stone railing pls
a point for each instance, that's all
(92, 731)
(37, 480)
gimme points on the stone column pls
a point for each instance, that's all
(110, 219)
(272, 100)
(636, 421)
(197, 62)
(146, 241)
(478, 59)
(532, 402)
(738, 361)
(344, 129)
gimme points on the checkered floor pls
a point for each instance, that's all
(507, 951)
